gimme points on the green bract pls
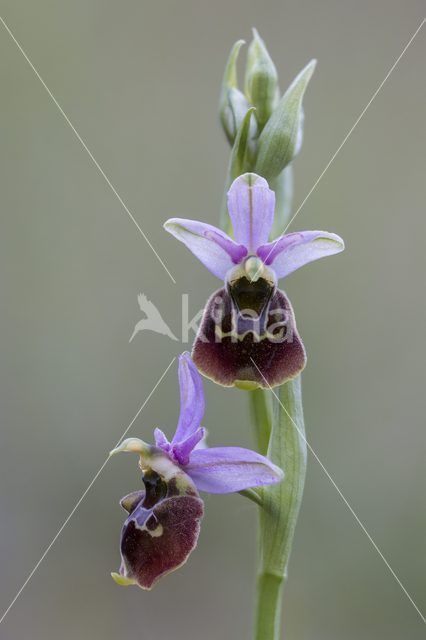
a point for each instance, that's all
(283, 187)
(280, 140)
(261, 80)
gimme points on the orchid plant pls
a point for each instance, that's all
(247, 339)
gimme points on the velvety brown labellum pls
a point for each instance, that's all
(242, 347)
(162, 528)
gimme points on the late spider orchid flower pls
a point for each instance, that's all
(248, 336)
(163, 524)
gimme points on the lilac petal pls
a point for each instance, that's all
(182, 450)
(217, 251)
(191, 399)
(251, 205)
(161, 441)
(294, 250)
(203, 442)
(229, 469)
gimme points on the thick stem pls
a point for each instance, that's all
(281, 504)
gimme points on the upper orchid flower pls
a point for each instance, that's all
(248, 334)
(163, 523)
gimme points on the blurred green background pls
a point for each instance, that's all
(140, 82)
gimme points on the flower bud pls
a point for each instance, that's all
(233, 103)
(261, 80)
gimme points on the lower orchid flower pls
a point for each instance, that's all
(248, 335)
(163, 524)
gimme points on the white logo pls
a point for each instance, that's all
(276, 326)
(153, 320)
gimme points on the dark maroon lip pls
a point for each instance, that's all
(231, 347)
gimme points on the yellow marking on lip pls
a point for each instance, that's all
(247, 385)
(122, 580)
(154, 533)
(157, 532)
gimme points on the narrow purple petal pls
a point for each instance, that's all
(191, 399)
(229, 469)
(161, 441)
(217, 251)
(251, 205)
(203, 442)
(294, 250)
(182, 450)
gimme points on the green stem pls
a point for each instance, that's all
(261, 412)
(269, 595)
(281, 504)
